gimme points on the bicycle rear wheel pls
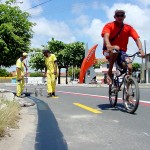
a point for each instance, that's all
(113, 95)
(131, 95)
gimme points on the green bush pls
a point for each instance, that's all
(36, 74)
(4, 73)
(75, 71)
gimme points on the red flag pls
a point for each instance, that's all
(88, 61)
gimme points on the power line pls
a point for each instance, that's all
(62, 9)
(38, 5)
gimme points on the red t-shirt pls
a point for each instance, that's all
(122, 39)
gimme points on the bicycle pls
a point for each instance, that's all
(131, 94)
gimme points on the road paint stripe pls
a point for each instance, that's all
(88, 108)
(54, 97)
(144, 103)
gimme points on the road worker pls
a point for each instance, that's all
(51, 70)
(20, 65)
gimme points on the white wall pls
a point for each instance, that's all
(41, 80)
(35, 80)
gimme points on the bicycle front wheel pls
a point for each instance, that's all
(131, 95)
(113, 95)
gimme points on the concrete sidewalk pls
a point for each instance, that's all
(23, 137)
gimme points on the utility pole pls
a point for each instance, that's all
(146, 72)
(142, 72)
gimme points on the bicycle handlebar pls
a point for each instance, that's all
(117, 51)
(137, 53)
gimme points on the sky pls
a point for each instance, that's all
(83, 20)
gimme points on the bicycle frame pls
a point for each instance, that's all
(119, 84)
(116, 79)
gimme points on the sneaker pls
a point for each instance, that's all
(53, 94)
(49, 95)
(129, 102)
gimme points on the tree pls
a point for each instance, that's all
(73, 56)
(37, 61)
(74, 72)
(15, 33)
(4, 73)
(135, 67)
(67, 55)
(98, 64)
(57, 48)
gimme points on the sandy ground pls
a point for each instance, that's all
(22, 138)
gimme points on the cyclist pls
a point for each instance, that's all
(116, 35)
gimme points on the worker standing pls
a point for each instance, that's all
(51, 70)
(20, 65)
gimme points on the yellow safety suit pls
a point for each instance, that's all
(51, 77)
(20, 83)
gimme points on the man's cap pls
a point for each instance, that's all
(119, 11)
(24, 54)
(46, 51)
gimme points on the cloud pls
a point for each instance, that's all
(83, 27)
(145, 2)
(25, 5)
(92, 35)
(135, 16)
(82, 20)
(28, 4)
(46, 29)
(57, 29)
(78, 8)
(96, 5)
(94, 30)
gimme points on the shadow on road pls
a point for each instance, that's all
(48, 135)
(119, 107)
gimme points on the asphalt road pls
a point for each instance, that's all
(80, 118)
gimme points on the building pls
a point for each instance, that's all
(104, 67)
(102, 71)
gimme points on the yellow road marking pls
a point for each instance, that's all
(55, 97)
(88, 108)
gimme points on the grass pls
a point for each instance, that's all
(9, 115)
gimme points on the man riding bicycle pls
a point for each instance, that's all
(116, 35)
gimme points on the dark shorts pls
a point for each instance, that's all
(121, 58)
